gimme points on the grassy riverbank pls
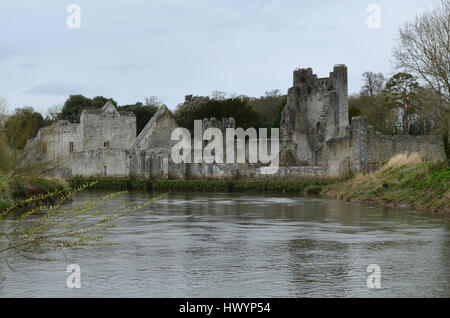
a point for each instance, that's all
(403, 182)
(208, 185)
(16, 189)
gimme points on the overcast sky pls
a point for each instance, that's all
(131, 49)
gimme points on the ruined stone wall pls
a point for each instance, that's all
(149, 154)
(53, 142)
(341, 160)
(363, 149)
(54, 147)
(107, 125)
(154, 163)
(376, 149)
(49, 152)
(285, 173)
(100, 162)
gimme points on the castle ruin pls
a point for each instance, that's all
(316, 140)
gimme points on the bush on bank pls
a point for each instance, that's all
(14, 189)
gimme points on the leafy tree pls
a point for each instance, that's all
(75, 104)
(267, 107)
(378, 111)
(143, 113)
(353, 112)
(73, 107)
(15, 130)
(372, 103)
(198, 108)
(21, 126)
(186, 110)
(100, 101)
(282, 104)
(401, 104)
(5, 153)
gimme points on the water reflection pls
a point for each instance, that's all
(241, 245)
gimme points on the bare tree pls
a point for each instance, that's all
(54, 111)
(423, 49)
(4, 149)
(3, 110)
(218, 95)
(152, 101)
(373, 83)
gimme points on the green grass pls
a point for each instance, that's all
(423, 185)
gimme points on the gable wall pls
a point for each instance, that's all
(117, 128)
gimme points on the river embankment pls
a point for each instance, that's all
(22, 191)
(403, 182)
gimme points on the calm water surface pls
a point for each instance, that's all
(246, 245)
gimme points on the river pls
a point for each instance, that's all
(249, 245)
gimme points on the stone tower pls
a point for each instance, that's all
(316, 111)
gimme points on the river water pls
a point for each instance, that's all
(249, 245)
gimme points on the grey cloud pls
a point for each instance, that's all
(124, 67)
(6, 51)
(28, 65)
(63, 89)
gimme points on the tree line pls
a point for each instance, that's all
(25, 122)
(396, 106)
